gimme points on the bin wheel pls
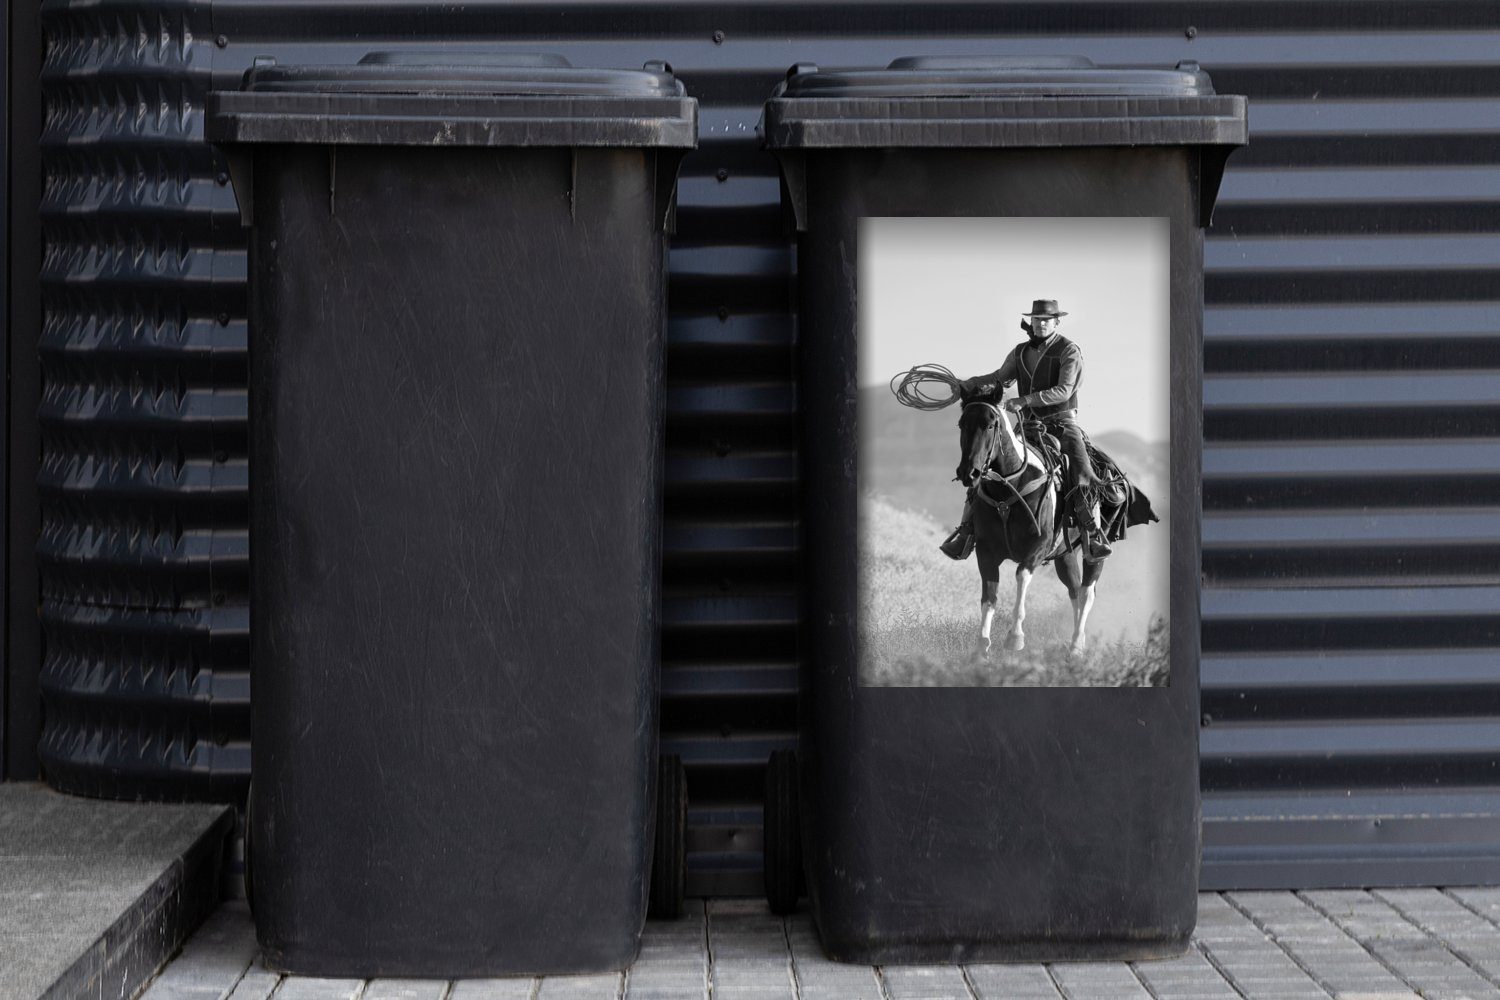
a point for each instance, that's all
(786, 881)
(669, 864)
(249, 872)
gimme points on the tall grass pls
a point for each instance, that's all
(919, 620)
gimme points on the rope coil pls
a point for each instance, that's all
(915, 387)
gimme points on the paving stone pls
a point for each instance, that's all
(1011, 982)
(1097, 981)
(819, 979)
(1187, 977)
(213, 961)
(513, 988)
(1338, 962)
(925, 982)
(1423, 961)
(1313, 946)
(606, 987)
(748, 949)
(316, 988)
(1484, 901)
(1254, 963)
(257, 984)
(1472, 937)
(673, 963)
(405, 989)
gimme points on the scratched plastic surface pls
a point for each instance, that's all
(972, 824)
(455, 382)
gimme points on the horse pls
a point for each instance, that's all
(1018, 515)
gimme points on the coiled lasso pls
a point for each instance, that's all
(919, 387)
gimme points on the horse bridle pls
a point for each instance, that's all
(989, 458)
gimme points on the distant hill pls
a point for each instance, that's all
(910, 456)
(1143, 461)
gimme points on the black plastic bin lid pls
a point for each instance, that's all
(1001, 102)
(997, 102)
(458, 98)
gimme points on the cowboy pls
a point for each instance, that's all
(1048, 369)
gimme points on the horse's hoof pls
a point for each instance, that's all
(984, 645)
(1074, 652)
(1015, 643)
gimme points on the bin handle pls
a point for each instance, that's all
(668, 162)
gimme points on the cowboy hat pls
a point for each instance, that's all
(1044, 307)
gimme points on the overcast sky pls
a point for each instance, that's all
(951, 291)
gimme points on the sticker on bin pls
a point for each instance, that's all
(1014, 380)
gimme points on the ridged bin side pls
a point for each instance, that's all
(143, 551)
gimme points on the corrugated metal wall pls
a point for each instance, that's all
(143, 548)
(1352, 502)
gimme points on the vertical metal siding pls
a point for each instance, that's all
(1351, 491)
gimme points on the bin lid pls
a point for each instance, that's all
(999, 102)
(1002, 102)
(455, 98)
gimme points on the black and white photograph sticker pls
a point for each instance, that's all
(1013, 408)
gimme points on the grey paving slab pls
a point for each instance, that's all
(819, 979)
(1188, 977)
(1097, 981)
(493, 989)
(1472, 937)
(405, 989)
(1011, 982)
(1340, 964)
(925, 982)
(213, 961)
(673, 963)
(1422, 960)
(258, 983)
(1243, 952)
(1485, 901)
(605, 987)
(1340, 944)
(316, 988)
(749, 955)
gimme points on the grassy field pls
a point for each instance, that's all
(919, 618)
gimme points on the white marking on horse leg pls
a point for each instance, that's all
(1076, 646)
(1016, 640)
(986, 618)
(1081, 609)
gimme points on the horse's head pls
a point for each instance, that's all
(981, 425)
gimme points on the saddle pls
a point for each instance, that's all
(1121, 505)
(1044, 441)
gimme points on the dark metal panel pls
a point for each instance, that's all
(1351, 491)
(23, 639)
(1344, 838)
(143, 481)
(5, 547)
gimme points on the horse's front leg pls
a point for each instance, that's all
(1016, 641)
(989, 595)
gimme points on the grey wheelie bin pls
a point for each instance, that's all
(972, 823)
(457, 315)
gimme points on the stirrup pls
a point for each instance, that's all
(1095, 547)
(958, 545)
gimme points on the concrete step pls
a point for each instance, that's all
(95, 896)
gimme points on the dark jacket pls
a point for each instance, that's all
(1052, 386)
